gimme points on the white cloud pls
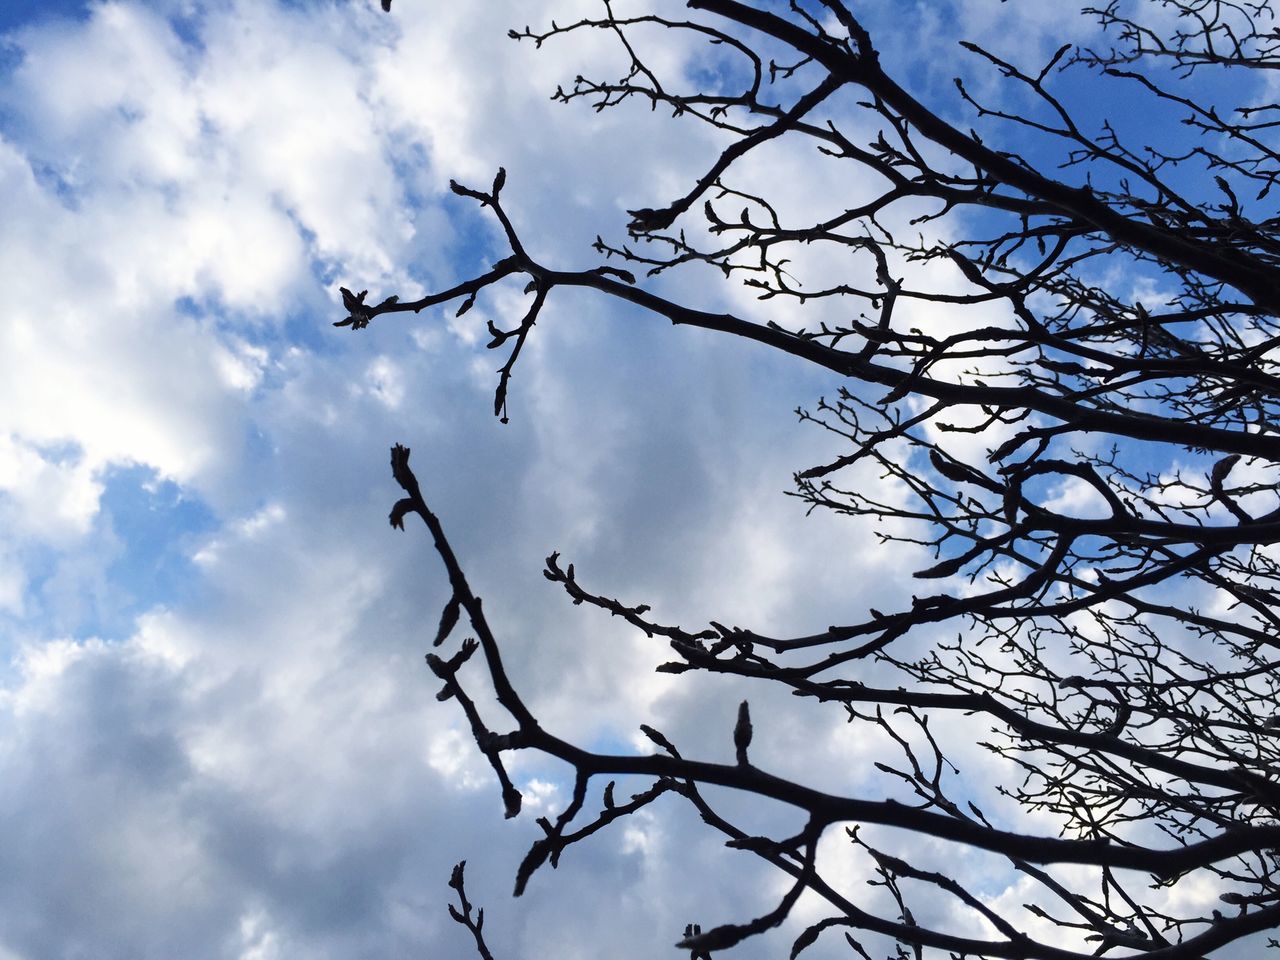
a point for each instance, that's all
(50, 495)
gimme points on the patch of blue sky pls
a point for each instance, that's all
(10, 60)
(152, 527)
(22, 13)
(186, 22)
(410, 159)
(159, 525)
(52, 178)
(261, 451)
(721, 69)
(299, 327)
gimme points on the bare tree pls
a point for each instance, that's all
(1110, 564)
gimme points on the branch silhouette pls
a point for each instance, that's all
(1102, 578)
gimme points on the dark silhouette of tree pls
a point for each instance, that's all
(1105, 575)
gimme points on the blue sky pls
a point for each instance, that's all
(217, 735)
(25, 14)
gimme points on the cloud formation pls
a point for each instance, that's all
(244, 758)
(217, 735)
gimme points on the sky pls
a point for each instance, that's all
(218, 737)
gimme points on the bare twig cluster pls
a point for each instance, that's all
(1105, 572)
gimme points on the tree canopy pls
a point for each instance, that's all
(1080, 448)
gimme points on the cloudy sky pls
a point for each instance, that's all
(218, 738)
